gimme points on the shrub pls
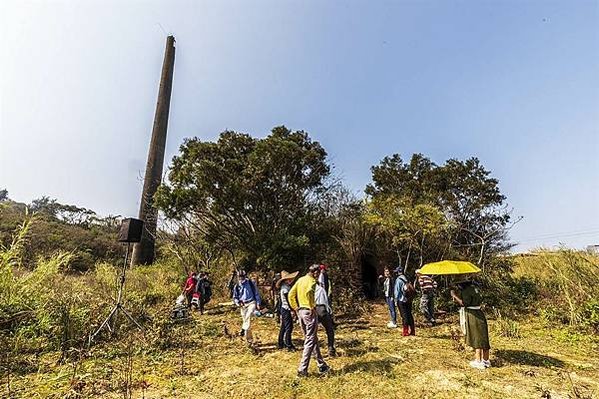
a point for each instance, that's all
(508, 328)
(50, 308)
(590, 315)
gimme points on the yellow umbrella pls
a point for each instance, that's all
(449, 267)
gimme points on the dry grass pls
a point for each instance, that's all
(375, 362)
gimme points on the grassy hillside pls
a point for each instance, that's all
(550, 349)
(202, 361)
(568, 286)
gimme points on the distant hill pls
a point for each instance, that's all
(59, 227)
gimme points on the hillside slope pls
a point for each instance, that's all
(203, 361)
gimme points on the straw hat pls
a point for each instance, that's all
(286, 276)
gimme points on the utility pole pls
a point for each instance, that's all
(143, 252)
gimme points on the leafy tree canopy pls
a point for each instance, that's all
(457, 203)
(253, 197)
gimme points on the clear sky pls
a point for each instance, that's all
(515, 83)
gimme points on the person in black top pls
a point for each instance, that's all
(204, 288)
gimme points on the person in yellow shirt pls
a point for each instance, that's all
(301, 299)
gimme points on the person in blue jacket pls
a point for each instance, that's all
(404, 302)
(247, 298)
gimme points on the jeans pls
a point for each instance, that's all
(326, 319)
(392, 313)
(309, 324)
(427, 303)
(407, 319)
(286, 329)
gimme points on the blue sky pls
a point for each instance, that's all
(514, 83)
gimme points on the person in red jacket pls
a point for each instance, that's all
(190, 286)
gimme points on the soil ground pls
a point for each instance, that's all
(202, 358)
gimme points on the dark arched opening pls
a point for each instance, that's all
(369, 276)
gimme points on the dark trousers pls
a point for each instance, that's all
(427, 306)
(405, 310)
(286, 329)
(189, 297)
(326, 319)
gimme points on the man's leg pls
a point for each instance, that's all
(282, 327)
(324, 318)
(249, 312)
(304, 317)
(202, 304)
(288, 323)
(243, 319)
(425, 306)
(431, 306)
(312, 330)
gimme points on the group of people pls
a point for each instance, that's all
(308, 301)
(399, 292)
(197, 290)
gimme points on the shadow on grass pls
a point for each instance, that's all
(219, 310)
(354, 347)
(348, 343)
(378, 366)
(356, 352)
(527, 358)
(19, 366)
(355, 324)
(440, 336)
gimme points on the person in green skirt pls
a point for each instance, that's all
(473, 322)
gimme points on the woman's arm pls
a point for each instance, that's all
(456, 298)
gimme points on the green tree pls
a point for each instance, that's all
(256, 198)
(410, 228)
(472, 200)
(452, 210)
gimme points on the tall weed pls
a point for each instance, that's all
(568, 282)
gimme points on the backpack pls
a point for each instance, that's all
(408, 289)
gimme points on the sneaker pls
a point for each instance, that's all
(242, 333)
(487, 363)
(391, 325)
(291, 349)
(302, 374)
(332, 352)
(324, 369)
(477, 365)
